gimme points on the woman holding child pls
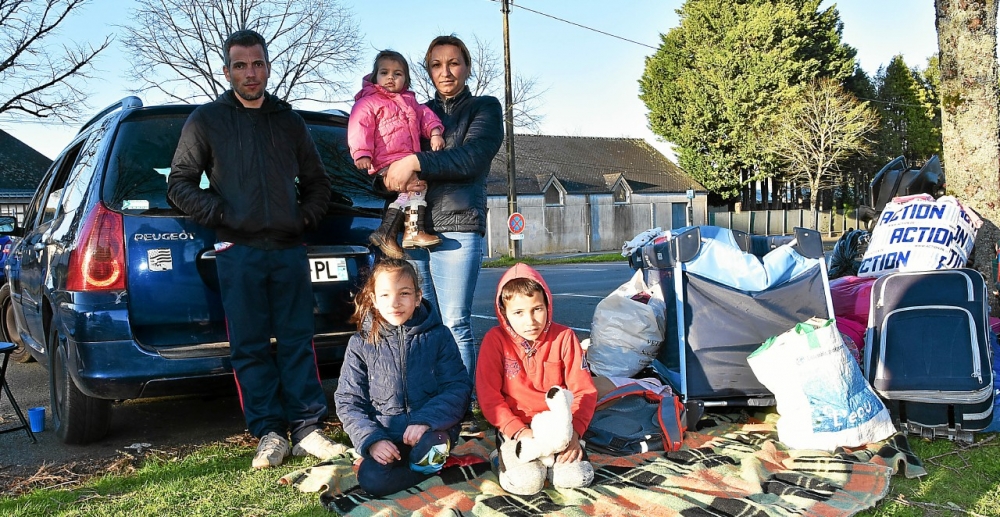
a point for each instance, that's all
(456, 189)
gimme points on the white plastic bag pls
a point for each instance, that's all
(823, 399)
(626, 334)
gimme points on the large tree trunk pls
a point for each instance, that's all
(970, 123)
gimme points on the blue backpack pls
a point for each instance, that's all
(638, 421)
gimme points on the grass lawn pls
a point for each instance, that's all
(216, 480)
(507, 261)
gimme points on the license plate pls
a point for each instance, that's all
(329, 269)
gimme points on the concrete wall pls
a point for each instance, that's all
(585, 223)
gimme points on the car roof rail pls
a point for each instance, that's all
(128, 102)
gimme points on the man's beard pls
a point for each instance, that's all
(247, 96)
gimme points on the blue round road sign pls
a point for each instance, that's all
(515, 223)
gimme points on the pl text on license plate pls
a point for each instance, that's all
(328, 269)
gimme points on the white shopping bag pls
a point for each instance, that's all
(822, 397)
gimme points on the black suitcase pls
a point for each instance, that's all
(927, 351)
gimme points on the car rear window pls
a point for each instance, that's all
(136, 177)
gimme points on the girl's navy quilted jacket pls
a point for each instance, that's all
(412, 375)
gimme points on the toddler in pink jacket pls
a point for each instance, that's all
(386, 124)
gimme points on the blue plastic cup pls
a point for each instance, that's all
(36, 418)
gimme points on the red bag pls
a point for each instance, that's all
(854, 336)
(851, 296)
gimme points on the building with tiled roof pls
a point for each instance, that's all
(589, 194)
(587, 165)
(21, 168)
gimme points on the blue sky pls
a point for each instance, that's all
(591, 79)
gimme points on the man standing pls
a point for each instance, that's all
(253, 147)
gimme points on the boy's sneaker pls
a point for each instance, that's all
(471, 429)
(271, 451)
(470, 424)
(317, 444)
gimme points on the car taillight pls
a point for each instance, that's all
(98, 262)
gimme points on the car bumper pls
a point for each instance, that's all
(106, 363)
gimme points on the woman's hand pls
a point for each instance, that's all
(413, 433)
(416, 185)
(384, 451)
(573, 452)
(401, 173)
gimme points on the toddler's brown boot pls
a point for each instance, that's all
(414, 235)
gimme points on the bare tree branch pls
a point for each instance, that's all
(487, 78)
(818, 132)
(311, 45)
(36, 79)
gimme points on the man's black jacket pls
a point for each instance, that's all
(252, 158)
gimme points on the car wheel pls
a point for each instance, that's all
(8, 328)
(77, 418)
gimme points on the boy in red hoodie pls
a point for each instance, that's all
(519, 361)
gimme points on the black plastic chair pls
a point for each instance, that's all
(6, 349)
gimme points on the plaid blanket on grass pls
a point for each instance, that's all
(729, 468)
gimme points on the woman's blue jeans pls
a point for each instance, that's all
(448, 274)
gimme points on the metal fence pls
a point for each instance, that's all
(781, 222)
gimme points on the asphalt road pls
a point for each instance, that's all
(177, 421)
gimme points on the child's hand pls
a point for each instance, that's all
(526, 433)
(573, 452)
(384, 451)
(364, 163)
(413, 433)
(437, 142)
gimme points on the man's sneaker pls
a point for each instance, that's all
(317, 444)
(271, 451)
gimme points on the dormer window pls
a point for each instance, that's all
(621, 194)
(553, 196)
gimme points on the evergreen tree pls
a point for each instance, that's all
(720, 77)
(908, 117)
(859, 169)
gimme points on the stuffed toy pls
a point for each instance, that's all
(552, 430)
(520, 477)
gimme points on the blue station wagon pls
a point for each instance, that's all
(117, 291)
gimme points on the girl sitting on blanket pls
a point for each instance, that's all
(403, 388)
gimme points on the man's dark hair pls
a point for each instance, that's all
(243, 38)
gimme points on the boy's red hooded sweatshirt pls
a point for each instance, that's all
(511, 381)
